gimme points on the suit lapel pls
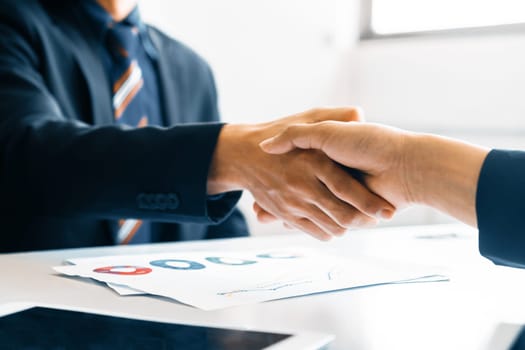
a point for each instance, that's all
(86, 50)
(168, 87)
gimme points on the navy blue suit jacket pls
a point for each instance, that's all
(66, 170)
(500, 206)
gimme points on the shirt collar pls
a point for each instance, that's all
(100, 20)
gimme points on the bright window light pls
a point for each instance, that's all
(407, 16)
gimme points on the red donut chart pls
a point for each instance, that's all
(114, 270)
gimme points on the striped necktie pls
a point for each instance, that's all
(128, 105)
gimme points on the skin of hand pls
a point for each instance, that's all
(305, 189)
(403, 167)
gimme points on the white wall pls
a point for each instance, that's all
(471, 82)
(276, 57)
(270, 58)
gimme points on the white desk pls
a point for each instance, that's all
(460, 314)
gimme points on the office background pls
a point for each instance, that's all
(273, 58)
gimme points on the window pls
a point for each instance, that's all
(398, 17)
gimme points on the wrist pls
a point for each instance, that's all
(236, 145)
(419, 166)
(446, 175)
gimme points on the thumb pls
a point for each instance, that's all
(304, 136)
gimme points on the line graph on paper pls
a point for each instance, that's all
(270, 287)
(284, 283)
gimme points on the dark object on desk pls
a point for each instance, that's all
(43, 328)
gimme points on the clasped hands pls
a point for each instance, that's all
(297, 169)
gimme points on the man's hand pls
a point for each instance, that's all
(377, 151)
(305, 189)
(404, 168)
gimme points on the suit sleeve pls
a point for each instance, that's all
(53, 165)
(500, 207)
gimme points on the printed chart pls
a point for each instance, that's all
(214, 280)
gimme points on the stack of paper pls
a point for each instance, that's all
(213, 280)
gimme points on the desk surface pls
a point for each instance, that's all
(460, 314)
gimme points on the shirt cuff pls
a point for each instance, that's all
(222, 205)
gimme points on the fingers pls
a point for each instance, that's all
(335, 212)
(324, 212)
(341, 114)
(318, 116)
(322, 199)
(330, 212)
(354, 196)
(342, 213)
(287, 225)
(311, 228)
(305, 217)
(302, 224)
(324, 221)
(262, 215)
(301, 215)
(356, 145)
(304, 136)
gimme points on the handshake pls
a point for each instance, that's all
(326, 170)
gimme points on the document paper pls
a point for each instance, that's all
(214, 280)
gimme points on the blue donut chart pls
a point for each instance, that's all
(165, 263)
(188, 265)
(221, 261)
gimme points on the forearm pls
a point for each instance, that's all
(445, 174)
(63, 169)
